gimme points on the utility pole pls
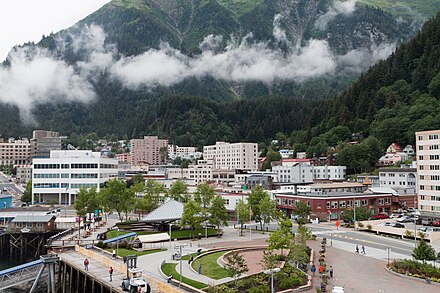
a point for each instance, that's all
(180, 247)
(354, 211)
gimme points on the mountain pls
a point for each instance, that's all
(419, 9)
(245, 67)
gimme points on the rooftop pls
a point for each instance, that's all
(32, 218)
(170, 211)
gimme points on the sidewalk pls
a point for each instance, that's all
(360, 273)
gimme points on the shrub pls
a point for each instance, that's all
(408, 233)
(101, 244)
(369, 227)
(360, 225)
(259, 289)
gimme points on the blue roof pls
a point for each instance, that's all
(131, 234)
(20, 267)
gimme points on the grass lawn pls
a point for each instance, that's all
(179, 234)
(188, 256)
(210, 267)
(124, 252)
(170, 269)
(187, 233)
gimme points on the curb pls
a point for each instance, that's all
(411, 277)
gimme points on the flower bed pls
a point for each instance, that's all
(415, 269)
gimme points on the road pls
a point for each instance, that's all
(9, 188)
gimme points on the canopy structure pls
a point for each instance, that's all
(119, 238)
(152, 238)
(169, 212)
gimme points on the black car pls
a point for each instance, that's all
(398, 225)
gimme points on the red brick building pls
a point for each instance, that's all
(331, 205)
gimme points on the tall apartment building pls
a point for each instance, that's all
(148, 150)
(428, 170)
(242, 155)
(43, 142)
(59, 178)
(15, 151)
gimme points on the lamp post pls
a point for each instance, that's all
(117, 242)
(170, 234)
(270, 272)
(354, 212)
(415, 224)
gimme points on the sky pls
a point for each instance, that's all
(27, 20)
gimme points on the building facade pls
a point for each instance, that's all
(23, 173)
(334, 173)
(43, 142)
(399, 178)
(150, 150)
(59, 178)
(15, 151)
(428, 170)
(241, 155)
(294, 171)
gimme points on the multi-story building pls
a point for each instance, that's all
(43, 142)
(400, 179)
(59, 178)
(294, 171)
(428, 170)
(23, 173)
(334, 173)
(124, 157)
(331, 205)
(15, 151)
(241, 155)
(187, 153)
(149, 150)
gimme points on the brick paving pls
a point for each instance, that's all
(360, 273)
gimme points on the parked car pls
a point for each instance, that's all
(380, 216)
(385, 224)
(397, 225)
(436, 223)
(338, 289)
(404, 219)
(396, 215)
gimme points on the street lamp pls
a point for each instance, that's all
(270, 272)
(117, 242)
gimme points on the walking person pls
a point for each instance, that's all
(320, 269)
(110, 272)
(357, 248)
(86, 264)
(363, 249)
(331, 272)
(313, 269)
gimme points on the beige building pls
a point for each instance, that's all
(24, 173)
(241, 155)
(15, 151)
(150, 150)
(428, 169)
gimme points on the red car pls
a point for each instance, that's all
(380, 216)
(436, 224)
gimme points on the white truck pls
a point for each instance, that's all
(134, 282)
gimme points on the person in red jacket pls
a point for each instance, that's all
(86, 264)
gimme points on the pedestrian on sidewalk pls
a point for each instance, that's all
(331, 272)
(363, 249)
(200, 268)
(313, 269)
(320, 269)
(110, 272)
(170, 277)
(357, 248)
(86, 264)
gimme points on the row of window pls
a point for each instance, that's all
(75, 166)
(430, 137)
(64, 185)
(28, 225)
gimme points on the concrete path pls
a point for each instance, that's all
(96, 269)
(360, 273)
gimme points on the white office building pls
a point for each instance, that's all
(241, 155)
(403, 180)
(333, 173)
(294, 171)
(59, 178)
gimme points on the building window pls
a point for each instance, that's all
(39, 225)
(29, 225)
(328, 205)
(342, 204)
(226, 201)
(18, 225)
(422, 187)
(388, 200)
(380, 201)
(420, 158)
(420, 137)
(420, 148)
(433, 136)
(434, 157)
(433, 147)
(334, 204)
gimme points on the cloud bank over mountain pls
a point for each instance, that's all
(35, 75)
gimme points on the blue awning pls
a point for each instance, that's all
(119, 238)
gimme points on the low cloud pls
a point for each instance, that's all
(34, 75)
(339, 7)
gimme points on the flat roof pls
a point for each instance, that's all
(32, 218)
(331, 195)
(406, 170)
(338, 185)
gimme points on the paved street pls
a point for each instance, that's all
(10, 188)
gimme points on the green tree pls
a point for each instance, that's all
(267, 208)
(116, 196)
(302, 210)
(362, 214)
(204, 194)
(235, 266)
(255, 198)
(218, 213)
(179, 191)
(270, 260)
(242, 211)
(280, 238)
(192, 215)
(27, 194)
(424, 252)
